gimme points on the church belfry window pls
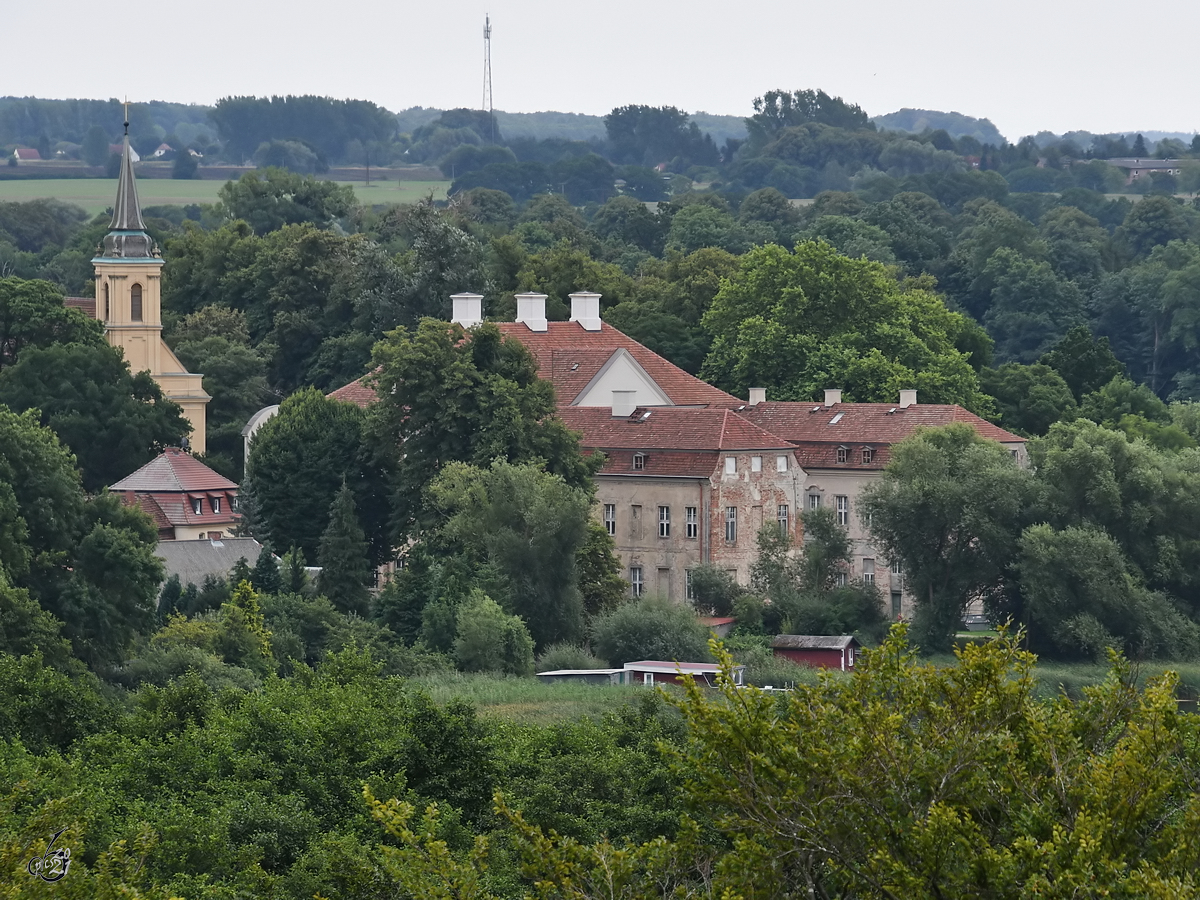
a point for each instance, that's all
(135, 303)
(104, 311)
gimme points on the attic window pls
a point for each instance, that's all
(836, 418)
(842, 454)
(197, 505)
(639, 461)
(216, 504)
(867, 454)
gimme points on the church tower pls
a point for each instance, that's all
(128, 291)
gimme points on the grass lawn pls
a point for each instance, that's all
(97, 194)
(528, 700)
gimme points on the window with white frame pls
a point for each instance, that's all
(840, 579)
(639, 461)
(731, 524)
(689, 591)
(814, 501)
(781, 464)
(869, 571)
(756, 464)
(842, 504)
(731, 465)
(197, 505)
(692, 521)
(895, 567)
(664, 521)
(635, 580)
(216, 504)
(610, 518)
(867, 455)
(842, 454)
(782, 517)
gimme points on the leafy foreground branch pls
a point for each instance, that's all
(905, 781)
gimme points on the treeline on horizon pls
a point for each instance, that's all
(653, 151)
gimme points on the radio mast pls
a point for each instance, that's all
(487, 74)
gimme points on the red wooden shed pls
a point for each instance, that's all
(822, 651)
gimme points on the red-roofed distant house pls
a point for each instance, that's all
(691, 473)
(26, 154)
(186, 499)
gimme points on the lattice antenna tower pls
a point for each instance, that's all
(487, 74)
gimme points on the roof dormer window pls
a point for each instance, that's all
(639, 461)
(843, 454)
(216, 504)
(198, 506)
(867, 455)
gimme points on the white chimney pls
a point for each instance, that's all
(757, 396)
(585, 309)
(468, 309)
(531, 309)
(623, 403)
(907, 399)
(832, 396)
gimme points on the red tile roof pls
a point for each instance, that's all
(869, 423)
(174, 471)
(150, 507)
(668, 428)
(356, 392)
(28, 153)
(571, 356)
(86, 305)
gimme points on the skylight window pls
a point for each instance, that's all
(836, 419)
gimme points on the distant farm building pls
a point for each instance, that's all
(818, 650)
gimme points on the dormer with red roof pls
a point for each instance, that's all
(186, 499)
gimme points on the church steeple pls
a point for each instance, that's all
(127, 238)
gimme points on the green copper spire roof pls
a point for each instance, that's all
(127, 213)
(127, 238)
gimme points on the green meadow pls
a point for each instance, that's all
(96, 194)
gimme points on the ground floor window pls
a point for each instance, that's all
(635, 580)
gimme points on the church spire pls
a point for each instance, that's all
(127, 238)
(127, 213)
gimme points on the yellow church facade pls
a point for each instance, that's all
(128, 302)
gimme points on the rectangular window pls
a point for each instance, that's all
(639, 461)
(689, 591)
(895, 567)
(731, 465)
(635, 580)
(842, 503)
(868, 571)
(664, 521)
(197, 505)
(781, 464)
(756, 464)
(610, 518)
(693, 522)
(840, 579)
(866, 456)
(896, 607)
(731, 524)
(216, 504)
(782, 516)
(814, 501)
(842, 454)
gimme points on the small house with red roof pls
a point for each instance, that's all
(186, 499)
(26, 154)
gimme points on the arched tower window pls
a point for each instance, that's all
(104, 311)
(135, 303)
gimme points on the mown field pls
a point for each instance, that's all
(532, 702)
(96, 194)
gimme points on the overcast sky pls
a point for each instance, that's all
(1051, 64)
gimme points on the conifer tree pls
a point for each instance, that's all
(169, 599)
(295, 579)
(265, 577)
(240, 572)
(343, 557)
